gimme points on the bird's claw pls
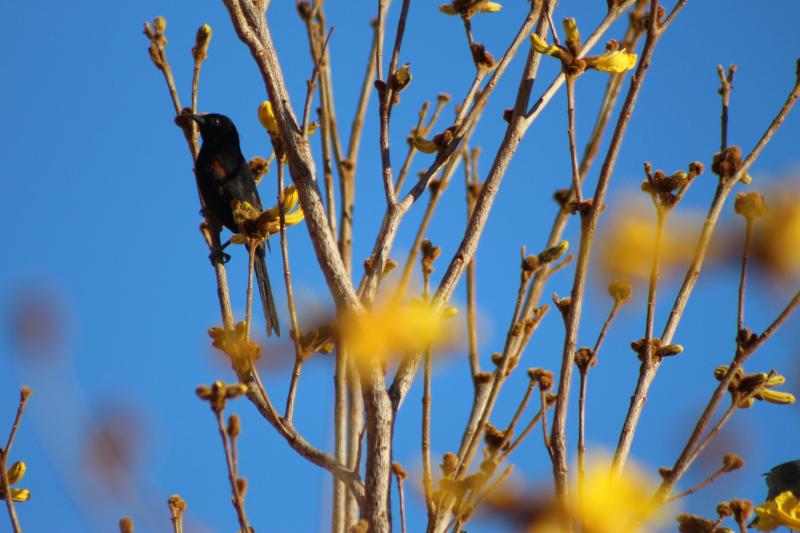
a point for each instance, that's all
(218, 256)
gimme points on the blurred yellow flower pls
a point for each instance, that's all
(628, 243)
(776, 240)
(615, 62)
(395, 329)
(784, 510)
(15, 474)
(609, 504)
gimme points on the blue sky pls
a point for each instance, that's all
(101, 220)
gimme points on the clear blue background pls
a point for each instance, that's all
(100, 215)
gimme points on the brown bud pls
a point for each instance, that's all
(449, 464)
(201, 42)
(544, 378)
(742, 510)
(689, 523)
(258, 166)
(482, 58)
(727, 162)
(399, 471)
(160, 24)
(620, 291)
(177, 505)
(126, 525)
(724, 509)
(234, 426)
(585, 359)
(493, 437)
(241, 486)
(731, 462)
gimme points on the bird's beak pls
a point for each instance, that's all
(200, 119)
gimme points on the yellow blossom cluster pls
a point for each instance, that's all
(255, 225)
(612, 61)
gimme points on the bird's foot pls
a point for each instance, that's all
(219, 257)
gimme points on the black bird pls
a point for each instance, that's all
(781, 478)
(224, 177)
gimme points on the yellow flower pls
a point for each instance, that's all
(541, 46)
(236, 344)
(395, 328)
(784, 510)
(467, 8)
(615, 62)
(267, 118)
(255, 225)
(15, 474)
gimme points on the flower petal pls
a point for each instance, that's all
(266, 116)
(615, 62)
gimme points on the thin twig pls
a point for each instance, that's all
(516, 442)
(707, 481)
(548, 444)
(748, 232)
(471, 179)
(725, 92)
(427, 477)
(238, 500)
(402, 497)
(573, 150)
(312, 82)
(287, 277)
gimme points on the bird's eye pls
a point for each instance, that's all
(216, 122)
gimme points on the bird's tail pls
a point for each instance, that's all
(267, 300)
